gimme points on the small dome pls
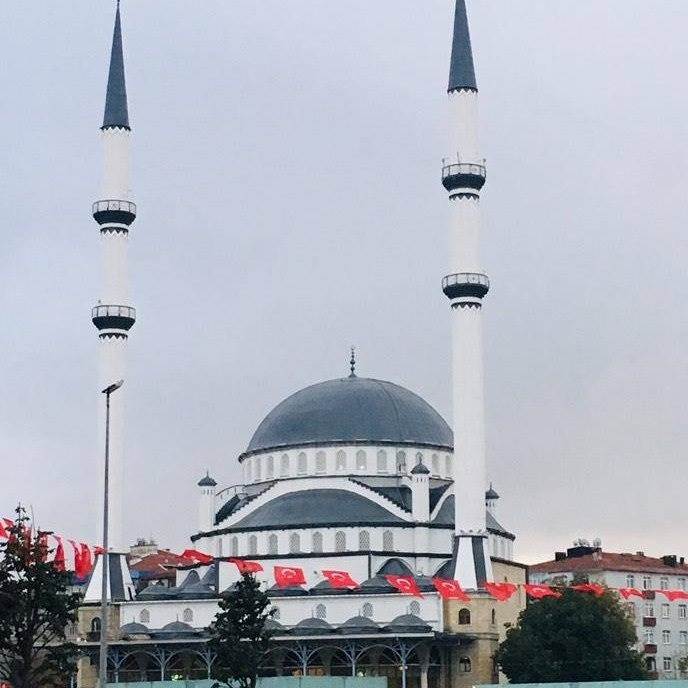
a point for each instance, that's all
(491, 494)
(362, 623)
(133, 629)
(312, 626)
(177, 627)
(409, 622)
(420, 469)
(207, 481)
(349, 410)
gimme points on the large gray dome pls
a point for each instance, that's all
(351, 410)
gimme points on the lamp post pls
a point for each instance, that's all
(102, 666)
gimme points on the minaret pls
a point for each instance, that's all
(463, 176)
(113, 315)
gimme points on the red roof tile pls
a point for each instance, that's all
(157, 562)
(608, 561)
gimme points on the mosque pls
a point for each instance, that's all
(353, 475)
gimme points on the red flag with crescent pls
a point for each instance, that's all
(59, 556)
(501, 591)
(592, 588)
(450, 589)
(77, 558)
(288, 576)
(197, 557)
(86, 560)
(673, 595)
(627, 593)
(246, 566)
(405, 584)
(341, 579)
(3, 529)
(537, 592)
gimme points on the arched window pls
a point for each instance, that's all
(340, 541)
(302, 464)
(252, 544)
(388, 540)
(269, 467)
(361, 460)
(494, 617)
(144, 616)
(317, 542)
(401, 462)
(272, 544)
(284, 465)
(320, 462)
(364, 540)
(234, 546)
(321, 611)
(419, 458)
(382, 461)
(294, 543)
(257, 470)
(367, 610)
(464, 617)
(435, 464)
(340, 460)
(414, 608)
(95, 625)
(187, 616)
(448, 465)
(465, 665)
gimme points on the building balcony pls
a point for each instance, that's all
(650, 649)
(649, 621)
(649, 594)
(463, 175)
(113, 211)
(109, 317)
(463, 284)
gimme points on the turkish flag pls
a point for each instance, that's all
(77, 558)
(501, 591)
(197, 557)
(341, 579)
(537, 592)
(405, 584)
(672, 595)
(98, 550)
(593, 588)
(288, 576)
(626, 593)
(86, 560)
(59, 557)
(3, 529)
(450, 589)
(246, 566)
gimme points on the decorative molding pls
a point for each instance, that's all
(466, 304)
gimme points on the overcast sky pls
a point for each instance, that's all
(286, 165)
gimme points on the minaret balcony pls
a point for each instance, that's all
(463, 175)
(111, 317)
(114, 212)
(466, 284)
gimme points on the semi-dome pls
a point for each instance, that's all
(351, 410)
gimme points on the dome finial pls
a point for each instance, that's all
(352, 362)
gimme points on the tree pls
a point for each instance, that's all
(240, 636)
(577, 637)
(35, 609)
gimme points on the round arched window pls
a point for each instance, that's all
(321, 611)
(464, 617)
(340, 541)
(367, 610)
(187, 616)
(144, 616)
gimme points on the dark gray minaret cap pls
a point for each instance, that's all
(116, 111)
(461, 70)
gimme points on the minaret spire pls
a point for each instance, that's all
(463, 176)
(116, 108)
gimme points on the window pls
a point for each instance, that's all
(663, 583)
(320, 462)
(401, 462)
(258, 469)
(302, 464)
(340, 541)
(284, 465)
(414, 608)
(448, 465)
(382, 461)
(630, 581)
(340, 460)
(464, 617)
(95, 625)
(272, 544)
(631, 610)
(294, 543)
(649, 636)
(277, 613)
(435, 464)
(649, 610)
(681, 583)
(388, 540)
(317, 542)
(367, 610)
(666, 663)
(234, 546)
(364, 540)
(465, 665)
(494, 617)
(683, 637)
(666, 637)
(269, 467)
(252, 544)
(682, 609)
(666, 611)
(361, 460)
(187, 616)
(650, 664)
(647, 583)
(144, 616)
(321, 611)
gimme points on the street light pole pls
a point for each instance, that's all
(105, 561)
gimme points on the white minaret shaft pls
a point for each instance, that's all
(463, 176)
(113, 315)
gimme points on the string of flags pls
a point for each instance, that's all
(293, 576)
